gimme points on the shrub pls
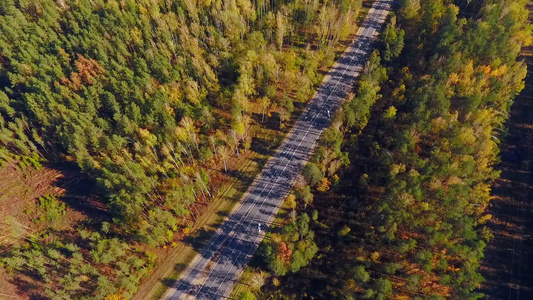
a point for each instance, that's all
(51, 208)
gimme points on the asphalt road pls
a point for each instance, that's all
(213, 274)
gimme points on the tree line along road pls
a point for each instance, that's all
(213, 273)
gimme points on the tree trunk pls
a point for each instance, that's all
(225, 168)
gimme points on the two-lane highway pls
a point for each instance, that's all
(215, 271)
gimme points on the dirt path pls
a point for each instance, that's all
(508, 263)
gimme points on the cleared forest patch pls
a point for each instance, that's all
(22, 214)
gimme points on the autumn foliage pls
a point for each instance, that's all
(284, 252)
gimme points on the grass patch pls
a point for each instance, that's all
(51, 208)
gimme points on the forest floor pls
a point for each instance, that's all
(507, 266)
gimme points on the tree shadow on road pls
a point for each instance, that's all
(199, 238)
(262, 146)
(170, 281)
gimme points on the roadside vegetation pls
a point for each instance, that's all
(156, 105)
(401, 181)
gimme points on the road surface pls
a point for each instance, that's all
(214, 272)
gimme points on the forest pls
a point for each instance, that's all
(399, 186)
(141, 96)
